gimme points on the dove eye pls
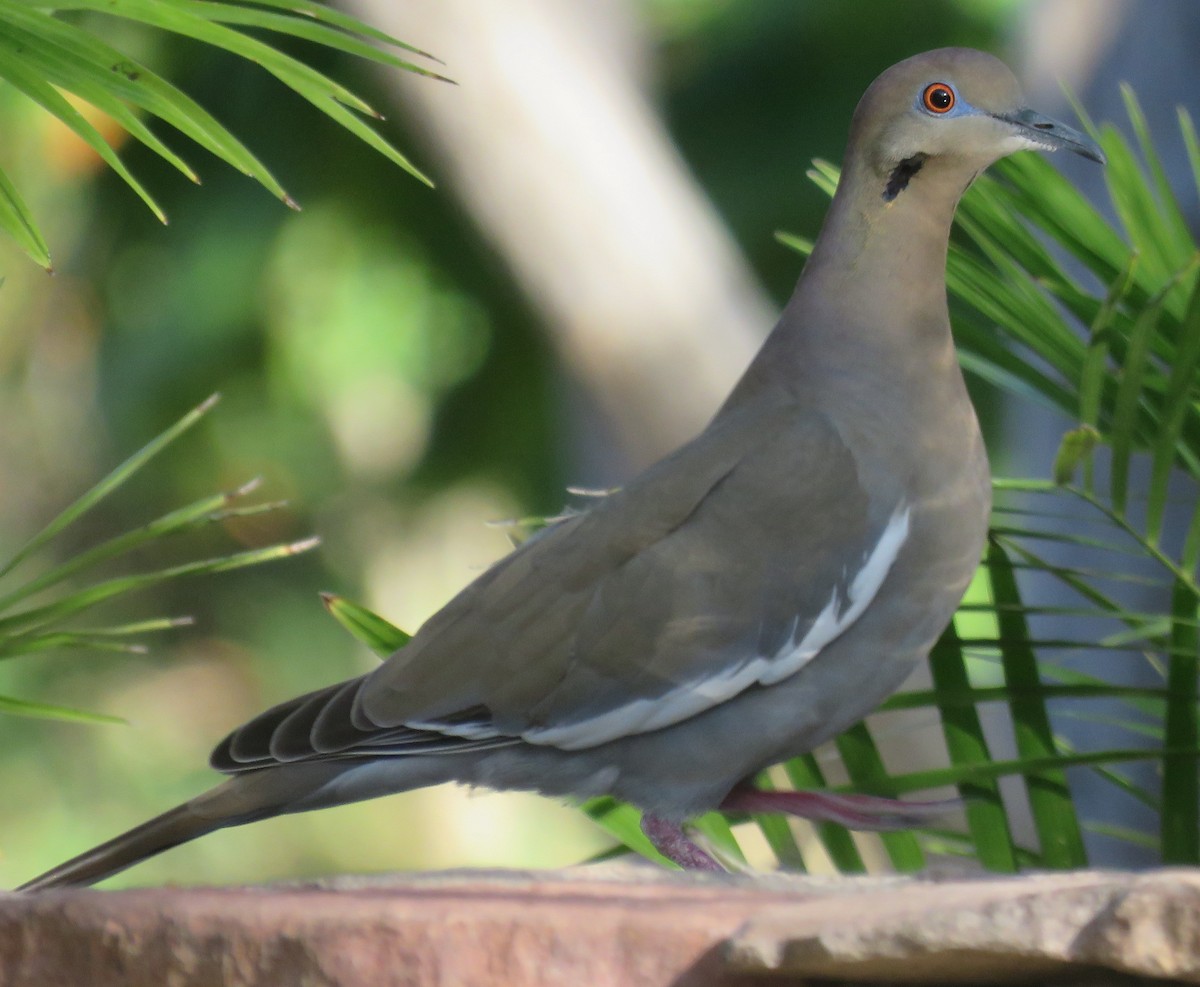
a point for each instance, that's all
(938, 98)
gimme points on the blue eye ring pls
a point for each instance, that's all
(938, 98)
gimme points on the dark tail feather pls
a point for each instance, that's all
(255, 794)
(242, 799)
(179, 825)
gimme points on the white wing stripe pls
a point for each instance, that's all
(468, 731)
(830, 623)
(643, 715)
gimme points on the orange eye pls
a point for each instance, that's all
(938, 98)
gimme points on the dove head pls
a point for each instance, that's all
(957, 106)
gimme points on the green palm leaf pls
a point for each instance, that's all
(45, 56)
(36, 614)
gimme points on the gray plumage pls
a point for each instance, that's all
(743, 600)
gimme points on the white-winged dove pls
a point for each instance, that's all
(743, 600)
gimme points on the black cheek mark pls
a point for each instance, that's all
(901, 175)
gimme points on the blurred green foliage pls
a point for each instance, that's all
(55, 54)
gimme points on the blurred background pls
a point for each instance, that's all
(405, 365)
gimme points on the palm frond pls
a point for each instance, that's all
(46, 57)
(35, 614)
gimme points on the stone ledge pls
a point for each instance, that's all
(628, 927)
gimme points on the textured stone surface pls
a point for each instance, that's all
(630, 927)
(468, 929)
(1015, 930)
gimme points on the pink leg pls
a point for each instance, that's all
(868, 812)
(669, 840)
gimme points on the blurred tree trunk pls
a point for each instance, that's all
(552, 145)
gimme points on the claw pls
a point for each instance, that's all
(670, 840)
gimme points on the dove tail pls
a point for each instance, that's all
(178, 825)
(242, 799)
